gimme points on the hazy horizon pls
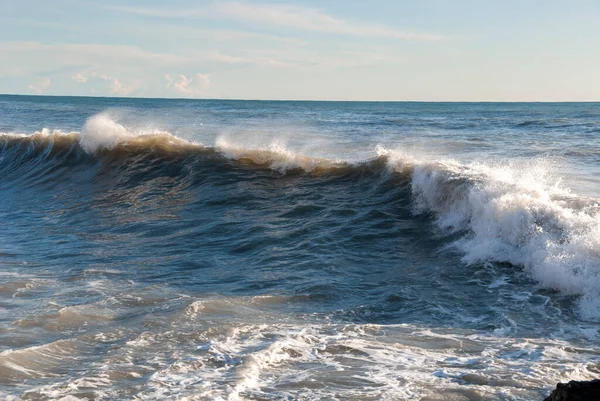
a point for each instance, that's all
(299, 100)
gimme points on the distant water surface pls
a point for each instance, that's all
(252, 250)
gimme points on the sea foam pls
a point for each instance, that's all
(513, 212)
(102, 132)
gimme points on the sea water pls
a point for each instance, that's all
(157, 249)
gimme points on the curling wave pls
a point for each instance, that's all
(505, 212)
(514, 213)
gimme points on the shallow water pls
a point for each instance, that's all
(170, 249)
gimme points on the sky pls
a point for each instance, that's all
(422, 50)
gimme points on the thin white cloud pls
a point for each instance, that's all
(282, 15)
(230, 35)
(189, 87)
(103, 57)
(74, 53)
(79, 78)
(179, 32)
(39, 85)
(372, 57)
(228, 59)
(256, 60)
(316, 60)
(310, 19)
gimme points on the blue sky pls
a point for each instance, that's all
(463, 50)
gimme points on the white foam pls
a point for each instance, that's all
(43, 134)
(7, 397)
(237, 348)
(275, 153)
(364, 361)
(515, 212)
(102, 132)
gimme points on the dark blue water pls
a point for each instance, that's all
(164, 249)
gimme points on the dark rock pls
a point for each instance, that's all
(576, 391)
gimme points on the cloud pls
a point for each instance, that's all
(79, 78)
(76, 63)
(116, 87)
(314, 59)
(184, 32)
(282, 15)
(230, 35)
(93, 57)
(189, 87)
(256, 60)
(76, 54)
(39, 85)
(310, 19)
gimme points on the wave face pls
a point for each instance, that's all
(208, 257)
(508, 212)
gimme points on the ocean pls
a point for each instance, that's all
(155, 249)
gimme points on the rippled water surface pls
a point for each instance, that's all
(247, 250)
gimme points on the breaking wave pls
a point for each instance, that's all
(501, 212)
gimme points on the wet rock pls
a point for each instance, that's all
(576, 391)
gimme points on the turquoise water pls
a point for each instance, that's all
(164, 249)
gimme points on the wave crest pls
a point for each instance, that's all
(516, 213)
(276, 157)
(508, 212)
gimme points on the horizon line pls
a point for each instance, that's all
(301, 100)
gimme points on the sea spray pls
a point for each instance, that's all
(102, 132)
(516, 213)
